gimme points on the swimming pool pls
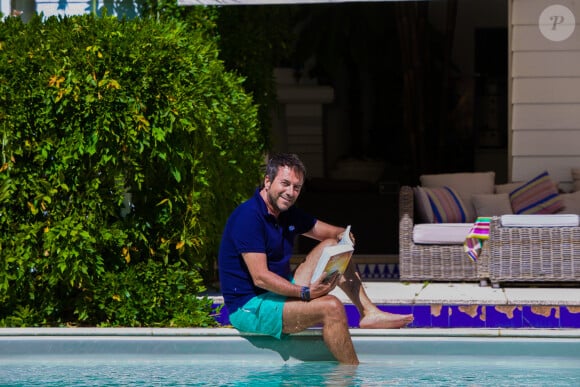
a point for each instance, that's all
(221, 357)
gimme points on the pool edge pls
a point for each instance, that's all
(163, 344)
(355, 332)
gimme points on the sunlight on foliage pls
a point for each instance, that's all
(120, 163)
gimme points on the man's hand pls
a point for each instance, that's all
(324, 285)
(350, 234)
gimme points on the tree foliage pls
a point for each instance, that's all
(125, 144)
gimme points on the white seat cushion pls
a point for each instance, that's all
(543, 220)
(441, 233)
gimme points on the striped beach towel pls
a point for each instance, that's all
(477, 235)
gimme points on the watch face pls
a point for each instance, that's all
(305, 293)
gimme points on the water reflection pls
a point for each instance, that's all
(302, 374)
(182, 371)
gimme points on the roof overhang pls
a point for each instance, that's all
(266, 2)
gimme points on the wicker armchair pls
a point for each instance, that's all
(418, 262)
(533, 254)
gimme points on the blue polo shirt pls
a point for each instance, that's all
(251, 229)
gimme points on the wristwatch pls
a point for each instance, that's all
(305, 293)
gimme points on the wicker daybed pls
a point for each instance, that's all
(433, 217)
(533, 254)
(433, 262)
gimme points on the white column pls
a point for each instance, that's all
(300, 120)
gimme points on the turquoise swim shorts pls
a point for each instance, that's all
(262, 314)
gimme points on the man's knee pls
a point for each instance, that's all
(327, 242)
(332, 306)
(330, 242)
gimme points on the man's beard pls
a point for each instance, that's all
(274, 202)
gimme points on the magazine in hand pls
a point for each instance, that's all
(334, 258)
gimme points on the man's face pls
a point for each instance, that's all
(282, 192)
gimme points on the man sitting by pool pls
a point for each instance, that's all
(260, 292)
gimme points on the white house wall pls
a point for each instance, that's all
(545, 95)
(70, 7)
(5, 7)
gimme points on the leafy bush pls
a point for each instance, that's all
(125, 144)
(151, 291)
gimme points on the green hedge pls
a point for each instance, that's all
(125, 144)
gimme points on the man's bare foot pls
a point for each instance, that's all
(385, 320)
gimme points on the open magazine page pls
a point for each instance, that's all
(334, 258)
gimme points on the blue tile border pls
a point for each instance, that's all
(467, 316)
(540, 316)
(423, 316)
(377, 271)
(569, 316)
(504, 316)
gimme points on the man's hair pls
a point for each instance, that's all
(280, 160)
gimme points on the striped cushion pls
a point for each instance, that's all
(446, 205)
(537, 196)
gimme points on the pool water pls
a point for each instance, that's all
(406, 370)
(222, 357)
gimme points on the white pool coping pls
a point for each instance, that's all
(219, 344)
(355, 332)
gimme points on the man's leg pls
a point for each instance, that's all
(351, 284)
(327, 310)
(371, 316)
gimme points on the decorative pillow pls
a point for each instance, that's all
(575, 174)
(508, 187)
(537, 196)
(465, 184)
(492, 204)
(571, 202)
(445, 204)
